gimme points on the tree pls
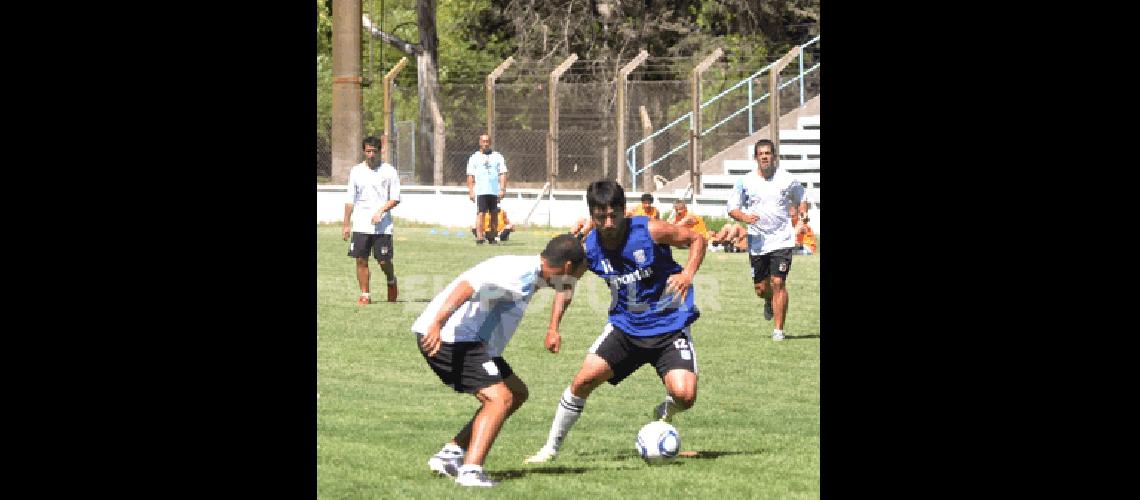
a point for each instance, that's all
(427, 75)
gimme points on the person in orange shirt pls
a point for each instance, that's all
(805, 237)
(504, 224)
(694, 222)
(732, 237)
(646, 208)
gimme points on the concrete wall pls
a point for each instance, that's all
(449, 205)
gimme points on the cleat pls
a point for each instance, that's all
(777, 336)
(659, 413)
(474, 478)
(444, 466)
(543, 456)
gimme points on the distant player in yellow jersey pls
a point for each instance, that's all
(646, 208)
(504, 224)
(805, 237)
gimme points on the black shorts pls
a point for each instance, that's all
(466, 366)
(487, 203)
(380, 244)
(776, 263)
(625, 354)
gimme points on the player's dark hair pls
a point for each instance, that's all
(562, 248)
(761, 142)
(371, 141)
(648, 198)
(602, 194)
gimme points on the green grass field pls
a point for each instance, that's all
(381, 412)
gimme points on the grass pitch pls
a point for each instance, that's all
(381, 412)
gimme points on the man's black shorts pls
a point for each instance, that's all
(380, 244)
(625, 354)
(776, 263)
(466, 366)
(487, 203)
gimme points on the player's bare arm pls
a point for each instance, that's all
(347, 218)
(471, 187)
(680, 236)
(462, 293)
(388, 205)
(582, 227)
(502, 185)
(563, 293)
(739, 215)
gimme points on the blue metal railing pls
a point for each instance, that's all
(631, 152)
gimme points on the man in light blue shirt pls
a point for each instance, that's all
(486, 184)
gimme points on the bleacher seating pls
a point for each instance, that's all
(799, 156)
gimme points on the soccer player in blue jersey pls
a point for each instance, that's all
(649, 317)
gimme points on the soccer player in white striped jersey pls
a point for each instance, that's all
(463, 331)
(765, 202)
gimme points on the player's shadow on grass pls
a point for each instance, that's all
(684, 455)
(786, 337)
(518, 473)
(711, 454)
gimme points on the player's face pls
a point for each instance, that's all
(608, 221)
(764, 156)
(370, 155)
(484, 143)
(559, 277)
(680, 209)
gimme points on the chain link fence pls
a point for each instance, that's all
(587, 138)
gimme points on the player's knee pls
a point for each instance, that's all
(777, 283)
(760, 289)
(384, 263)
(362, 262)
(685, 399)
(501, 399)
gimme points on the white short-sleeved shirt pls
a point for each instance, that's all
(367, 191)
(486, 169)
(770, 200)
(503, 288)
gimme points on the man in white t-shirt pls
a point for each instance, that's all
(765, 202)
(373, 190)
(486, 184)
(463, 331)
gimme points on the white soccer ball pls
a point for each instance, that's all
(658, 442)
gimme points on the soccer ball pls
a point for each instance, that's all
(658, 442)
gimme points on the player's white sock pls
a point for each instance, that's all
(366, 295)
(777, 331)
(452, 449)
(569, 409)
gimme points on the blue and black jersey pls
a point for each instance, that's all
(637, 277)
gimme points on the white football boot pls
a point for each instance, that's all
(472, 477)
(446, 462)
